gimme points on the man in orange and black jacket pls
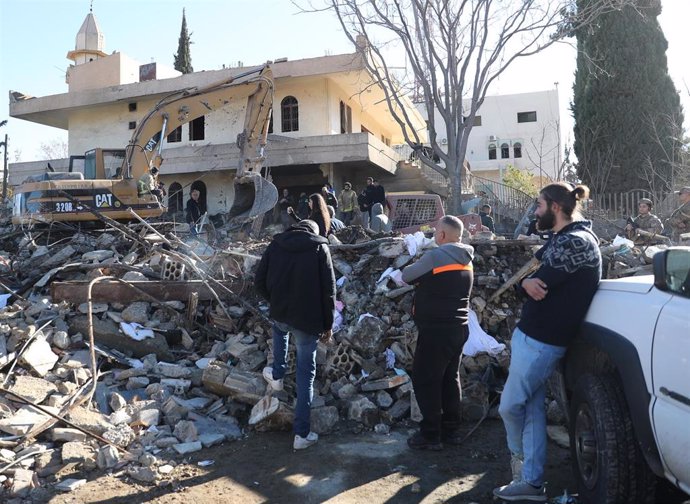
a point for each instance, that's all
(443, 278)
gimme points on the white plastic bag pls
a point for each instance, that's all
(479, 341)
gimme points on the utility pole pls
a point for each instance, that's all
(4, 174)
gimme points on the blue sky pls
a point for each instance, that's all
(35, 36)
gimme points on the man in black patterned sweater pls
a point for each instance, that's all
(558, 296)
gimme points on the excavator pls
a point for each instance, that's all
(109, 182)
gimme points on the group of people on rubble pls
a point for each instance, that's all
(296, 276)
(324, 207)
(650, 225)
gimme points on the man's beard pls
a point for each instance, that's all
(547, 221)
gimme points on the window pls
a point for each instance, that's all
(132, 107)
(477, 120)
(175, 201)
(524, 117)
(132, 125)
(492, 151)
(196, 128)
(345, 118)
(290, 114)
(505, 151)
(175, 135)
(517, 149)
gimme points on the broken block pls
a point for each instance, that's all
(39, 357)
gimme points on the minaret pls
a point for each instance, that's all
(90, 41)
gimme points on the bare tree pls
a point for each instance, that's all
(673, 168)
(542, 149)
(454, 51)
(54, 149)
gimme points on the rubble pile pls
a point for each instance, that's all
(126, 348)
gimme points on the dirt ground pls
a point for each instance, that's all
(342, 468)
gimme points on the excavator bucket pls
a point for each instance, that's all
(254, 195)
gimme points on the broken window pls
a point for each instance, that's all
(345, 118)
(175, 199)
(290, 114)
(196, 129)
(175, 135)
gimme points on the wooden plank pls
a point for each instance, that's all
(110, 291)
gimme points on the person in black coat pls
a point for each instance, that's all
(296, 276)
(194, 210)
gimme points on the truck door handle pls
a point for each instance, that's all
(675, 396)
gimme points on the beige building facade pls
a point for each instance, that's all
(330, 122)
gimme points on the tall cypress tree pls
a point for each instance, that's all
(183, 58)
(628, 116)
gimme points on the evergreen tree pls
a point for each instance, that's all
(628, 116)
(183, 58)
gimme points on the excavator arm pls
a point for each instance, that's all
(254, 194)
(42, 198)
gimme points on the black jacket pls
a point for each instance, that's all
(571, 269)
(193, 211)
(296, 276)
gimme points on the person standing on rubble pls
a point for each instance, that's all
(296, 276)
(193, 211)
(487, 220)
(444, 277)
(558, 296)
(318, 212)
(348, 203)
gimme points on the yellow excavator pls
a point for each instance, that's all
(109, 181)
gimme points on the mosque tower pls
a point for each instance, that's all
(90, 42)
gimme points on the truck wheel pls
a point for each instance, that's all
(607, 462)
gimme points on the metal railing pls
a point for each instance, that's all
(624, 204)
(506, 202)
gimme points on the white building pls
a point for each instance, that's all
(330, 123)
(522, 130)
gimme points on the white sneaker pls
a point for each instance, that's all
(301, 443)
(268, 376)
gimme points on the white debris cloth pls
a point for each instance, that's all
(479, 341)
(136, 331)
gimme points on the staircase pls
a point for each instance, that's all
(507, 203)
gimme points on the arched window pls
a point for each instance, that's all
(492, 151)
(505, 151)
(289, 114)
(175, 198)
(517, 149)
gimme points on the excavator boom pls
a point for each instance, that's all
(40, 199)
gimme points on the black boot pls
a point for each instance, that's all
(420, 442)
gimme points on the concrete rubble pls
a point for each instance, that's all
(187, 375)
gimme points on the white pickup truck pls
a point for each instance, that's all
(625, 382)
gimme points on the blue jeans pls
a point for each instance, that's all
(306, 370)
(522, 402)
